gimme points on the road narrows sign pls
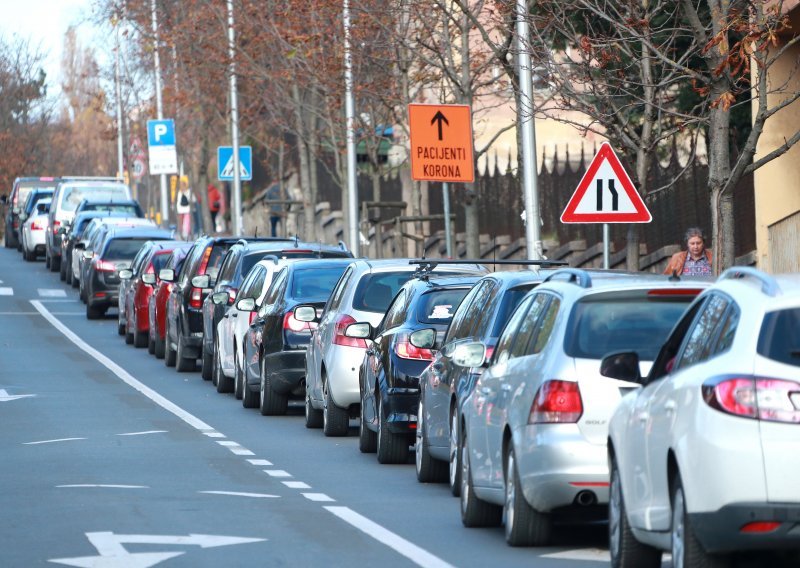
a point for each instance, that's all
(606, 194)
(441, 143)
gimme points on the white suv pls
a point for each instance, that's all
(704, 458)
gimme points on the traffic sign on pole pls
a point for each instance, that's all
(161, 146)
(225, 163)
(441, 143)
(606, 194)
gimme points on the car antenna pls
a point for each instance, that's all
(674, 277)
(255, 233)
(296, 241)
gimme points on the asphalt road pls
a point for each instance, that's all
(111, 459)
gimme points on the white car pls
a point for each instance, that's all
(233, 325)
(704, 458)
(34, 230)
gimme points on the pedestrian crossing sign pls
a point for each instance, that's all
(225, 163)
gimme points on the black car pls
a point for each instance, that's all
(238, 261)
(275, 343)
(16, 199)
(444, 385)
(402, 346)
(74, 235)
(116, 252)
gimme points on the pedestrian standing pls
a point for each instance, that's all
(695, 260)
(214, 203)
(183, 207)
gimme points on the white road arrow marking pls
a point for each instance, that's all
(5, 397)
(112, 553)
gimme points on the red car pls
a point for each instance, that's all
(157, 302)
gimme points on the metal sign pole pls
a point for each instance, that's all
(606, 246)
(352, 187)
(159, 114)
(448, 236)
(237, 181)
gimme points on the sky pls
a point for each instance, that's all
(44, 23)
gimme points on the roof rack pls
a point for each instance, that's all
(342, 245)
(573, 275)
(427, 265)
(768, 284)
(545, 263)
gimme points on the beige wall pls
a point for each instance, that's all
(777, 184)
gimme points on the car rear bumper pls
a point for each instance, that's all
(401, 406)
(721, 531)
(556, 463)
(342, 374)
(287, 369)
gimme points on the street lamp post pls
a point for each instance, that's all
(117, 79)
(352, 188)
(237, 180)
(159, 113)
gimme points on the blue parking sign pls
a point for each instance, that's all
(161, 132)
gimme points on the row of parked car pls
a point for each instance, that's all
(669, 407)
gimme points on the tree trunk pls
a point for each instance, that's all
(722, 238)
(305, 179)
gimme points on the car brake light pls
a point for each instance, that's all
(760, 527)
(295, 325)
(204, 261)
(37, 226)
(339, 338)
(405, 350)
(253, 316)
(675, 292)
(56, 225)
(196, 298)
(232, 292)
(556, 402)
(105, 266)
(754, 397)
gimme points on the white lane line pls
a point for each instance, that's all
(229, 443)
(319, 497)
(260, 462)
(242, 451)
(106, 486)
(126, 377)
(214, 434)
(6, 291)
(277, 473)
(585, 554)
(240, 494)
(296, 485)
(19, 313)
(417, 555)
(51, 441)
(52, 292)
(143, 433)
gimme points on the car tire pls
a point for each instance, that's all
(169, 353)
(55, 264)
(429, 469)
(183, 364)
(314, 418)
(250, 398)
(686, 549)
(151, 343)
(128, 334)
(238, 380)
(46, 259)
(454, 465)
(93, 312)
(75, 282)
(625, 550)
(68, 276)
(120, 326)
(475, 512)
(30, 256)
(207, 365)
(224, 384)
(391, 448)
(140, 338)
(524, 525)
(335, 420)
(160, 347)
(270, 402)
(62, 271)
(367, 439)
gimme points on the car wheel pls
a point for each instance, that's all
(238, 379)
(183, 364)
(93, 312)
(224, 384)
(160, 347)
(217, 372)
(429, 469)
(367, 439)
(169, 352)
(151, 343)
(120, 325)
(250, 398)
(314, 418)
(68, 276)
(626, 551)
(335, 420)
(75, 282)
(474, 512)
(687, 552)
(391, 448)
(140, 338)
(129, 327)
(207, 364)
(524, 525)
(270, 402)
(454, 477)
(46, 260)
(55, 264)
(62, 270)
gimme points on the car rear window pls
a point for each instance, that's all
(641, 324)
(215, 259)
(375, 291)
(123, 249)
(115, 207)
(779, 339)
(72, 196)
(438, 306)
(315, 283)
(160, 261)
(509, 303)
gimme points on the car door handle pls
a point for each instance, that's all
(236, 315)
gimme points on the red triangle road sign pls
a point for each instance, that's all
(606, 194)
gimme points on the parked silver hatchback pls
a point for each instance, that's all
(534, 429)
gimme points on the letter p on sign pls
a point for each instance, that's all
(160, 131)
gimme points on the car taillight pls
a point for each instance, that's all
(56, 225)
(405, 350)
(295, 325)
(37, 226)
(253, 316)
(204, 261)
(196, 298)
(232, 295)
(339, 338)
(760, 527)
(754, 397)
(668, 292)
(556, 402)
(15, 224)
(105, 266)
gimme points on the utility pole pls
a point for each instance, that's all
(236, 214)
(117, 79)
(352, 187)
(159, 114)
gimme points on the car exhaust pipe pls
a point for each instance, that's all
(586, 498)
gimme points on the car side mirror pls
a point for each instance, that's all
(167, 274)
(221, 298)
(423, 338)
(23, 216)
(126, 274)
(87, 255)
(245, 304)
(202, 281)
(79, 246)
(472, 354)
(306, 314)
(623, 366)
(149, 278)
(361, 330)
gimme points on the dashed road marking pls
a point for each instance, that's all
(296, 485)
(214, 434)
(277, 473)
(260, 462)
(241, 494)
(103, 486)
(585, 554)
(51, 441)
(143, 433)
(52, 292)
(319, 497)
(6, 291)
